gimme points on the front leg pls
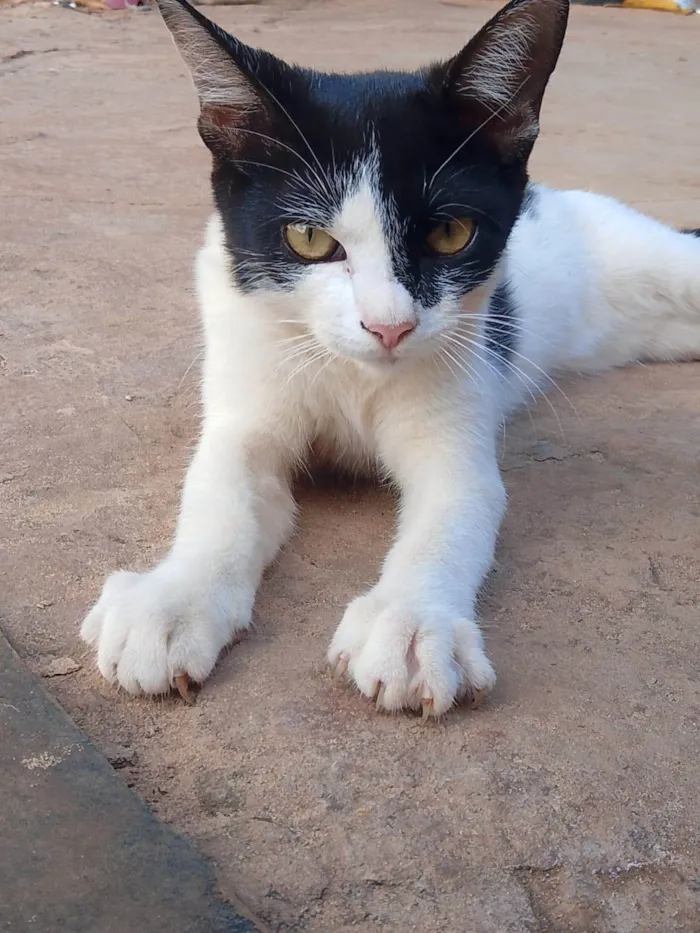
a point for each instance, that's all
(152, 628)
(412, 641)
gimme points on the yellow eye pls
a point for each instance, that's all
(312, 243)
(451, 236)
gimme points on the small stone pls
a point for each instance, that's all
(129, 398)
(60, 667)
(44, 604)
(218, 793)
(119, 756)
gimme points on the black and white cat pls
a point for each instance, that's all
(380, 282)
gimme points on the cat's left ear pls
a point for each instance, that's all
(497, 82)
(230, 78)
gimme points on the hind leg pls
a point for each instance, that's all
(644, 302)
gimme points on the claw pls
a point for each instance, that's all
(475, 698)
(428, 705)
(182, 683)
(379, 697)
(341, 666)
(378, 689)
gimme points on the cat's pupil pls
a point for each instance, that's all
(309, 234)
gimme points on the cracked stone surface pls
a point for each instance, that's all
(569, 803)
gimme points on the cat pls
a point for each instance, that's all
(381, 280)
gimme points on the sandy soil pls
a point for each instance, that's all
(569, 803)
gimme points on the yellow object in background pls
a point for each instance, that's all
(684, 7)
(670, 6)
(667, 6)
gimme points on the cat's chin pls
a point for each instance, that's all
(379, 365)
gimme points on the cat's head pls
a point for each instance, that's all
(372, 208)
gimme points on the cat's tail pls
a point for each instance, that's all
(641, 287)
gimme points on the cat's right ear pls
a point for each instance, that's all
(234, 102)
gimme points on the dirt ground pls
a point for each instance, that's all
(569, 804)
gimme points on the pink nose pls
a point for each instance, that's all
(388, 334)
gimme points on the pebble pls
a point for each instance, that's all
(120, 756)
(59, 667)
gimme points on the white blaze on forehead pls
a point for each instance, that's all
(363, 226)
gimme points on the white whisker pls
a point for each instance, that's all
(491, 116)
(473, 345)
(314, 358)
(278, 142)
(546, 376)
(470, 371)
(187, 371)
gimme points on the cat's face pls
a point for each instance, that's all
(367, 225)
(372, 209)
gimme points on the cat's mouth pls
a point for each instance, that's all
(383, 359)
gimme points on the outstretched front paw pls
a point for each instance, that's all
(158, 630)
(405, 657)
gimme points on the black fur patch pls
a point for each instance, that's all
(502, 324)
(344, 119)
(692, 232)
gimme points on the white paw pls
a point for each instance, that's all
(405, 657)
(152, 628)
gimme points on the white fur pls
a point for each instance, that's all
(500, 73)
(597, 285)
(495, 75)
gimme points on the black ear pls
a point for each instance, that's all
(229, 76)
(496, 83)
